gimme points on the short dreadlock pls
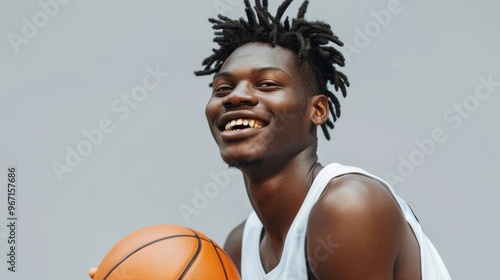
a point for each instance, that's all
(308, 39)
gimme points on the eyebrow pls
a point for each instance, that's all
(254, 71)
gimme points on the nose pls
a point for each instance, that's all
(242, 94)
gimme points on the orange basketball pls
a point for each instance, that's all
(166, 252)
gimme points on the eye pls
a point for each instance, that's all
(268, 85)
(222, 89)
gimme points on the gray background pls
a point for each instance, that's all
(408, 75)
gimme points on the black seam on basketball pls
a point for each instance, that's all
(222, 250)
(220, 259)
(142, 247)
(194, 256)
(205, 239)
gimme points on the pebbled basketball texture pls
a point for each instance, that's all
(166, 252)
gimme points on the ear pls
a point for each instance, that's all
(319, 106)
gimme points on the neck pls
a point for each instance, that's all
(277, 189)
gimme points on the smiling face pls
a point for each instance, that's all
(261, 107)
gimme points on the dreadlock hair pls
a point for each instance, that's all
(308, 39)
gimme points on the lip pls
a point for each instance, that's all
(233, 135)
(240, 133)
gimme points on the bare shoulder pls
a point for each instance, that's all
(232, 246)
(351, 193)
(354, 230)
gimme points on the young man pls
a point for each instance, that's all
(310, 221)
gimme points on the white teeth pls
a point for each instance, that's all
(246, 122)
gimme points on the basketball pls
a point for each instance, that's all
(166, 252)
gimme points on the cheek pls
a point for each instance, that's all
(292, 114)
(211, 109)
(210, 112)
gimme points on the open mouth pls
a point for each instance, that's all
(243, 123)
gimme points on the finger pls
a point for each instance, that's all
(92, 272)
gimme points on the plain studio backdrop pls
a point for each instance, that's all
(104, 119)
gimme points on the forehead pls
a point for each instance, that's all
(261, 55)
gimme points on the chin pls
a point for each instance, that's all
(243, 164)
(240, 160)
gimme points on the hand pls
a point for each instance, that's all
(92, 272)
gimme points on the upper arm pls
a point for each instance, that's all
(354, 231)
(232, 246)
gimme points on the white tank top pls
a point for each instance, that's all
(292, 265)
